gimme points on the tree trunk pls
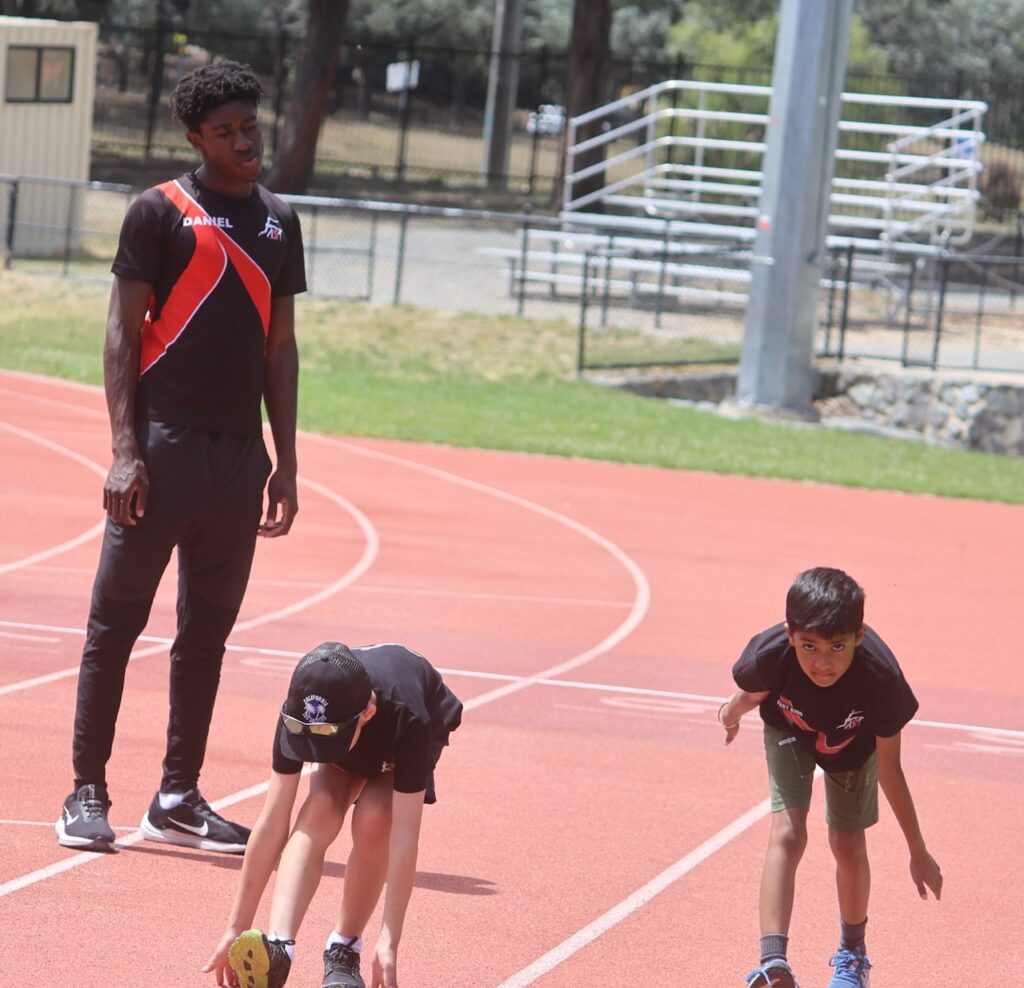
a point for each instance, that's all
(587, 85)
(318, 62)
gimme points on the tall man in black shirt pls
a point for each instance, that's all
(200, 331)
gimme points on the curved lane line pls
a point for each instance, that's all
(371, 548)
(74, 543)
(642, 590)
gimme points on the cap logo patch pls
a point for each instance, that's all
(314, 709)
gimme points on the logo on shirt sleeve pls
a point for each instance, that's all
(271, 229)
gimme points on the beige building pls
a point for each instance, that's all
(47, 87)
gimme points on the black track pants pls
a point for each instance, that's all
(205, 498)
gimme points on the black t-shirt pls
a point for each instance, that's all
(838, 723)
(214, 262)
(415, 714)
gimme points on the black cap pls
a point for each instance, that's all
(329, 686)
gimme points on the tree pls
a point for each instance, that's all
(586, 82)
(318, 63)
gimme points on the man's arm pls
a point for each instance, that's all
(127, 482)
(262, 851)
(730, 712)
(281, 392)
(406, 815)
(923, 868)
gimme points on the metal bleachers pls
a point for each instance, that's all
(675, 170)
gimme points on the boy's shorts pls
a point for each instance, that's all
(851, 797)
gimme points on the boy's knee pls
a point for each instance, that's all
(371, 823)
(847, 845)
(789, 831)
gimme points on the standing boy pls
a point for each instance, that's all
(200, 331)
(374, 722)
(830, 694)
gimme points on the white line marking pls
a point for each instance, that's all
(371, 548)
(50, 639)
(642, 590)
(623, 910)
(86, 536)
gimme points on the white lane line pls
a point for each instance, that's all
(371, 547)
(504, 677)
(641, 588)
(624, 909)
(86, 536)
(85, 857)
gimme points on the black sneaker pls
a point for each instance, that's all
(83, 820)
(194, 824)
(259, 962)
(341, 968)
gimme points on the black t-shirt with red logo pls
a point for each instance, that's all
(214, 262)
(838, 723)
(415, 714)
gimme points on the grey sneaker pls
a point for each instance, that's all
(341, 968)
(83, 820)
(772, 974)
(259, 962)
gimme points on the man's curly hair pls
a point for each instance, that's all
(206, 88)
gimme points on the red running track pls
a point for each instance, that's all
(591, 828)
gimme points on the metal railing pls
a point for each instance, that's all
(646, 157)
(636, 300)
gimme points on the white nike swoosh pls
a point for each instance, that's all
(68, 817)
(199, 831)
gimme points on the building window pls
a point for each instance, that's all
(38, 74)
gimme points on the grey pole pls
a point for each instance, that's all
(776, 363)
(502, 82)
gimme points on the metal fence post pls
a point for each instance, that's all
(403, 223)
(846, 302)
(12, 214)
(157, 82)
(524, 258)
(404, 104)
(662, 274)
(940, 309)
(582, 337)
(911, 279)
(542, 75)
(981, 313)
(69, 227)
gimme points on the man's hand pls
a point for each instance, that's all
(385, 967)
(126, 490)
(924, 870)
(282, 505)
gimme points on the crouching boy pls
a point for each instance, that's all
(374, 722)
(830, 694)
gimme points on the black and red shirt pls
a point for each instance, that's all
(838, 723)
(214, 262)
(415, 714)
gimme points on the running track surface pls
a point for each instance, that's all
(591, 828)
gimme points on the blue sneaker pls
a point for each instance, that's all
(852, 967)
(772, 974)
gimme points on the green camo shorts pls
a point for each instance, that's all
(851, 798)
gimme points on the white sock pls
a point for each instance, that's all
(168, 800)
(288, 945)
(354, 944)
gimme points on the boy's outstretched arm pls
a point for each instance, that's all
(923, 867)
(730, 712)
(267, 840)
(406, 814)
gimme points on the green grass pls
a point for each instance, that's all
(503, 383)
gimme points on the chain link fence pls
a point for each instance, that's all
(433, 133)
(635, 301)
